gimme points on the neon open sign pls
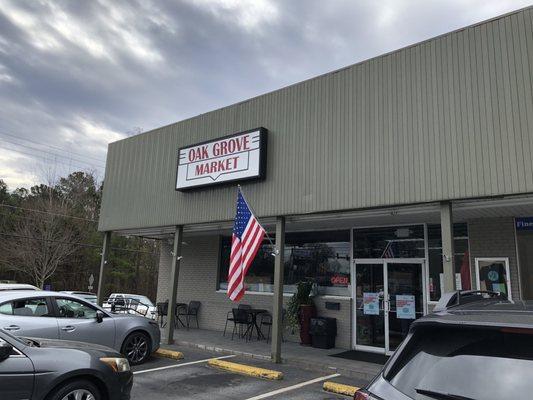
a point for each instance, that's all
(232, 158)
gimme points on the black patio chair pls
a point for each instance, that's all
(189, 311)
(229, 315)
(243, 319)
(266, 320)
(162, 312)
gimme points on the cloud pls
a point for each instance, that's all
(76, 75)
(249, 15)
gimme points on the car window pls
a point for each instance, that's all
(6, 308)
(481, 363)
(69, 308)
(26, 308)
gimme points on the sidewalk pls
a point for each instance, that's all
(292, 353)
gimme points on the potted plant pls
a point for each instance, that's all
(301, 309)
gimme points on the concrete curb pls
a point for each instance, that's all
(175, 355)
(339, 388)
(246, 369)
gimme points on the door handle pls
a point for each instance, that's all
(12, 328)
(68, 328)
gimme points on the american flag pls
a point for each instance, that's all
(247, 237)
(388, 252)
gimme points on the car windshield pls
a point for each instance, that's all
(440, 363)
(89, 297)
(14, 338)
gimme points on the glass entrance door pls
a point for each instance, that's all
(389, 296)
(405, 299)
(370, 306)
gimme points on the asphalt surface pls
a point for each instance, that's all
(192, 378)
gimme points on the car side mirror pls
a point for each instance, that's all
(99, 316)
(5, 350)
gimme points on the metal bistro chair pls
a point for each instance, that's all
(241, 318)
(229, 315)
(266, 320)
(162, 312)
(189, 311)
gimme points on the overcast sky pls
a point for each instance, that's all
(77, 74)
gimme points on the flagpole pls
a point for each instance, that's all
(276, 251)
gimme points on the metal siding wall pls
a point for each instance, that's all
(444, 119)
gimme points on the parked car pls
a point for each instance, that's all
(84, 295)
(56, 315)
(131, 304)
(39, 369)
(475, 346)
(17, 286)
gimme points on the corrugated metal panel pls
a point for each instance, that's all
(445, 119)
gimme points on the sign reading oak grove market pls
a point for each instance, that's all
(232, 158)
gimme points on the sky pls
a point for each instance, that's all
(76, 75)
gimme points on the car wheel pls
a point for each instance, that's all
(136, 348)
(76, 390)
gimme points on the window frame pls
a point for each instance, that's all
(505, 260)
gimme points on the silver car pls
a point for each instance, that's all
(56, 315)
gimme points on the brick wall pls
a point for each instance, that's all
(198, 281)
(494, 237)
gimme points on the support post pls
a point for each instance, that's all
(277, 308)
(103, 261)
(448, 263)
(174, 274)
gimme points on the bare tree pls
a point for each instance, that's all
(42, 238)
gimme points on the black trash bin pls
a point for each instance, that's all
(323, 331)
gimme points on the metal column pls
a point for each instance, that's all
(174, 274)
(103, 262)
(277, 308)
(448, 263)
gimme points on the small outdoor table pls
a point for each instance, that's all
(254, 312)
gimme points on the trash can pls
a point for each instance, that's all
(323, 331)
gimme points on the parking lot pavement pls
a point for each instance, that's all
(191, 378)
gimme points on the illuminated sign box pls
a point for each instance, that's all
(232, 158)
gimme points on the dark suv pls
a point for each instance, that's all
(475, 345)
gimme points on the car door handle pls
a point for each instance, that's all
(68, 328)
(12, 328)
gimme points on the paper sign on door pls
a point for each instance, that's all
(405, 306)
(370, 303)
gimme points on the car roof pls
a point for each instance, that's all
(17, 286)
(20, 294)
(486, 312)
(79, 292)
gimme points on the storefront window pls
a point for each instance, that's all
(322, 257)
(390, 242)
(462, 261)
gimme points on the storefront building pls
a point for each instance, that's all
(395, 179)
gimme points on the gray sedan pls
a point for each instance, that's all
(39, 369)
(55, 315)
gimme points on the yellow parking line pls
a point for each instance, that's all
(175, 355)
(339, 388)
(246, 369)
